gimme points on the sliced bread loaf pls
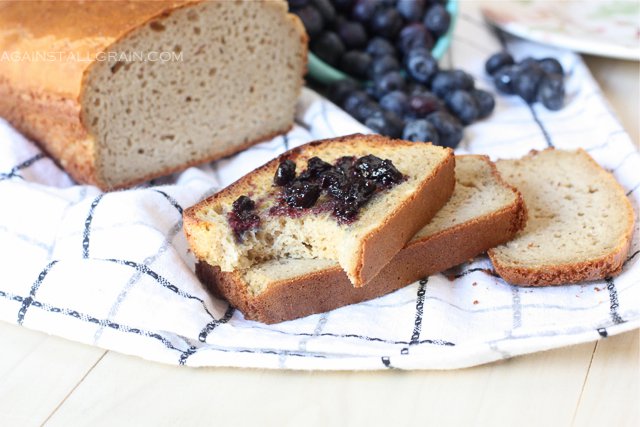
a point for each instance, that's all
(121, 92)
(580, 221)
(482, 212)
(362, 243)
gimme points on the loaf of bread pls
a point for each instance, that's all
(121, 92)
(580, 221)
(483, 212)
(363, 244)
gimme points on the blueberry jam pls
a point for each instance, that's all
(243, 217)
(342, 188)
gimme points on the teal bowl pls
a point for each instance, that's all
(325, 73)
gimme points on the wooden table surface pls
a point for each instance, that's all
(45, 379)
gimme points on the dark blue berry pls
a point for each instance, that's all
(355, 63)
(504, 78)
(340, 90)
(296, 4)
(414, 36)
(484, 101)
(326, 9)
(449, 129)
(526, 83)
(551, 66)
(366, 109)
(411, 10)
(311, 19)
(498, 61)
(381, 171)
(301, 194)
(328, 47)
(285, 173)
(389, 82)
(551, 92)
(437, 20)
(446, 82)
(364, 10)
(414, 88)
(386, 23)
(352, 34)
(396, 102)
(528, 62)
(352, 101)
(422, 104)
(384, 64)
(380, 47)
(243, 204)
(421, 65)
(421, 130)
(343, 5)
(463, 106)
(385, 123)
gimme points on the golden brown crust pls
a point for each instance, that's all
(330, 288)
(44, 100)
(609, 265)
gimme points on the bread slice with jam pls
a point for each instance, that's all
(355, 200)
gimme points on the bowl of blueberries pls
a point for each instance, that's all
(378, 61)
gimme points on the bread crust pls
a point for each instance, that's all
(609, 265)
(330, 288)
(48, 109)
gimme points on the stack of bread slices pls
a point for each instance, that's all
(551, 218)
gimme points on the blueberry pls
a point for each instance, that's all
(311, 19)
(504, 79)
(364, 10)
(385, 123)
(411, 10)
(389, 82)
(355, 63)
(296, 4)
(382, 65)
(446, 82)
(413, 36)
(301, 194)
(437, 20)
(243, 204)
(484, 101)
(328, 47)
(528, 62)
(366, 109)
(420, 130)
(396, 102)
(352, 34)
(381, 171)
(352, 197)
(526, 83)
(551, 66)
(342, 5)
(463, 106)
(380, 47)
(420, 65)
(386, 23)
(340, 90)
(449, 128)
(326, 9)
(551, 92)
(353, 100)
(414, 88)
(285, 173)
(498, 61)
(423, 104)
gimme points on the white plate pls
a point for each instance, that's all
(603, 28)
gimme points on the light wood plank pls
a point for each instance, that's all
(611, 395)
(47, 370)
(126, 390)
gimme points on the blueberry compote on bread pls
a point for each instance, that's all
(342, 189)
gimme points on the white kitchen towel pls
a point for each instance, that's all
(113, 270)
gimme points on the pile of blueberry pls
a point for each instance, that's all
(532, 79)
(348, 184)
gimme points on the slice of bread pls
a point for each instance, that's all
(361, 247)
(580, 221)
(482, 212)
(132, 90)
